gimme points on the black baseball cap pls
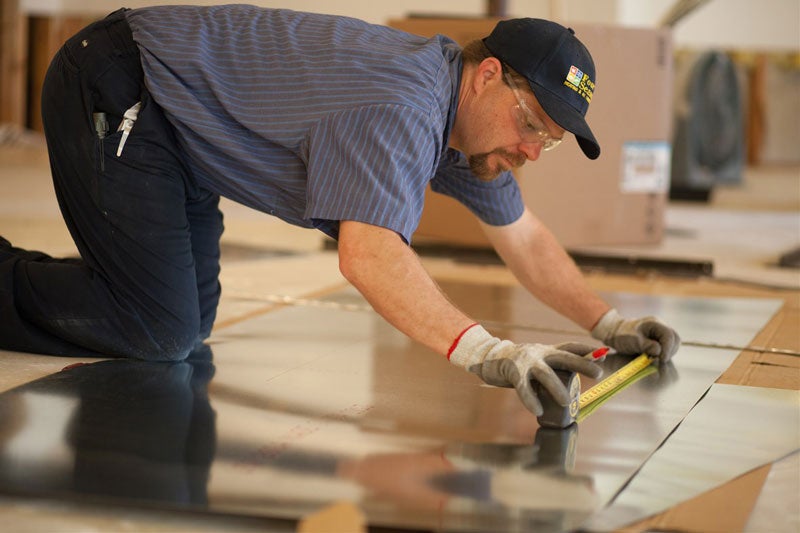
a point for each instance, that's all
(558, 67)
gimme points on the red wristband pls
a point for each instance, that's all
(455, 342)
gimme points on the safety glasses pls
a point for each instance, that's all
(531, 128)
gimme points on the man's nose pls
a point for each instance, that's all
(531, 150)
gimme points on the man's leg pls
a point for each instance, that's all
(134, 293)
(205, 221)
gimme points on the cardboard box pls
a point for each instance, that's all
(619, 198)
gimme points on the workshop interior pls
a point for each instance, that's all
(306, 411)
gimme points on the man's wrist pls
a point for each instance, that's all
(471, 346)
(606, 324)
(458, 339)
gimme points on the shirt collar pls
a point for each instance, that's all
(452, 54)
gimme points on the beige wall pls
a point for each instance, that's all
(731, 24)
(376, 11)
(763, 24)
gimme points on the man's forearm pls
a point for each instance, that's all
(540, 263)
(390, 276)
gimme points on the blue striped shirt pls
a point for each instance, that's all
(313, 118)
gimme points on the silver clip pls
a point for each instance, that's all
(100, 124)
(127, 125)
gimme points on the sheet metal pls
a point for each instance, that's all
(774, 511)
(733, 430)
(303, 407)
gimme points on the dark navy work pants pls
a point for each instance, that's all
(146, 285)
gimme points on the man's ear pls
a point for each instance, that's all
(489, 70)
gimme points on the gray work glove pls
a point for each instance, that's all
(504, 364)
(633, 337)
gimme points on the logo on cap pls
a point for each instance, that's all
(579, 82)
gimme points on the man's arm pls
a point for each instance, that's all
(390, 276)
(542, 266)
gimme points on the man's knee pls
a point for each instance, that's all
(166, 341)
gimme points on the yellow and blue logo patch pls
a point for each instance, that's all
(579, 81)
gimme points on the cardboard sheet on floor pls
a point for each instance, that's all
(286, 413)
(732, 430)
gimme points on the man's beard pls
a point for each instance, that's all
(479, 163)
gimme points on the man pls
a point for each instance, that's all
(325, 122)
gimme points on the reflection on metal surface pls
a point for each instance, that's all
(731, 431)
(327, 304)
(128, 430)
(309, 406)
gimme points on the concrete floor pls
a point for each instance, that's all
(743, 230)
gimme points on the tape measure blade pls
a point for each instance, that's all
(613, 381)
(590, 408)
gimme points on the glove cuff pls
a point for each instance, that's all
(606, 325)
(471, 346)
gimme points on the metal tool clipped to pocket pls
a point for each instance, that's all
(101, 128)
(128, 119)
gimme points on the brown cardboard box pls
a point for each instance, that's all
(617, 199)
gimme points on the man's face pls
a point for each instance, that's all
(488, 165)
(508, 127)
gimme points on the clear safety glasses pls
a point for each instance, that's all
(531, 128)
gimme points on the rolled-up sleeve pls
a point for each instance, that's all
(497, 202)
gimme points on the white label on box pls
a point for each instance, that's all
(645, 166)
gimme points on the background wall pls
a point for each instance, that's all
(764, 24)
(737, 24)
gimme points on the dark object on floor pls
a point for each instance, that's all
(690, 194)
(683, 268)
(620, 264)
(790, 259)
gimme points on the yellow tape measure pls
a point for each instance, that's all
(613, 382)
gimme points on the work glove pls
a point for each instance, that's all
(633, 337)
(504, 364)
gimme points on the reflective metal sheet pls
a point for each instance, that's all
(774, 511)
(309, 406)
(731, 431)
(125, 430)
